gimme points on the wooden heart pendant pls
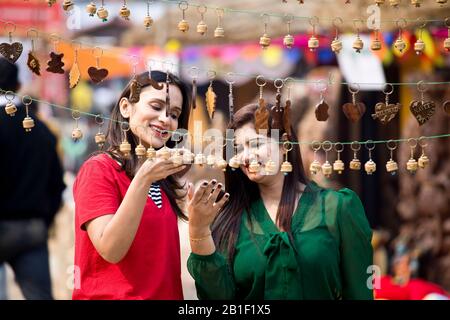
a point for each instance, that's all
(97, 75)
(354, 112)
(12, 51)
(422, 110)
(385, 113)
(322, 111)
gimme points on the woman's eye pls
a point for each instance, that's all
(174, 116)
(155, 107)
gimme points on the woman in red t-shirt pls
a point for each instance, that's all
(126, 233)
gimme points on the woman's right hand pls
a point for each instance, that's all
(158, 169)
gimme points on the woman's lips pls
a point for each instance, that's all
(158, 131)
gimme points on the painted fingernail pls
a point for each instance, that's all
(204, 184)
(227, 195)
(219, 186)
(213, 182)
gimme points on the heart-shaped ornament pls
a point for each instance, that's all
(97, 75)
(322, 111)
(422, 110)
(354, 112)
(12, 51)
(385, 113)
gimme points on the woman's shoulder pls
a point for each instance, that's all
(342, 194)
(99, 164)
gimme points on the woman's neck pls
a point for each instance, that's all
(271, 191)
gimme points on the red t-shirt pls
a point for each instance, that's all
(152, 268)
(415, 289)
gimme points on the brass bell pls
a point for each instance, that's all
(140, 151)
(219, 32)
(210, 160)
(28, 123)
(355, 164)
(412, 166)
(392, 167)
(77, 134)
(313, 43)
(254, 166)
(221, 164)
(286, 167)
(327, 169)
(183, 26)
(423, 161)
(148, 22)
(315, 167)
(264, 41)
(51, 2)
(102, 13)
(10, 109)
(234, 163)
(270, 167)
(164, 153)
(394, 3)
(125, 13)
(400, 45)
(336, 45)
(288, 41)
(151, 153)
(202, 27)
(338, 166)
(67, 5)
(177, 158)
(370, 167)
(200, 159)
(358, 44)
(419, 46)
(416, 3)
(125, 148)
(91, 8)
(100, 139)
(375, 45)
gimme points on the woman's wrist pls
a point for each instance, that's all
(199, 232)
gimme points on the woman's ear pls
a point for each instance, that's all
(125, 108)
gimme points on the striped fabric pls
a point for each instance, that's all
(155, 194)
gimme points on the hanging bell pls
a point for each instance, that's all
(151, 153)
(28, 123)
(358, 44)
(102, 13)
(200, 159)
(327, 169)
(286, 167)
(234, 163)
(375, 45)
(125, 148)
(313, 43)
(355, 164)
(370, 167)
(336, 45)
(394, 3)
(419, 46)
(177, 158)
(100, 139)
(392, 167)
(164, 153)
(338, 166)
(416, 3)
(202, 27)
(140, 151)
(400, 44)
(91, 9)
(211, 160)
(51, 2)
(77, 134)
(125, 12)
(219, 32)
(67, 5)
(270, 167)
(221, 164)
(288, 41)
(264, 41)
(11, 109)
(315, 167)
(148, 22)
(423, 161)
(412, 166)
(254, 166)
(183, 26)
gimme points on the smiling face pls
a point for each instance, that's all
(147, 118)
(251, 145)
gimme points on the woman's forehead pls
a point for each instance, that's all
(151, 93)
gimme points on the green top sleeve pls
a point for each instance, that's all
(213, 278)
(355, 248)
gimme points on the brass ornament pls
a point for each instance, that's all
(422, 110)
(100, 137)
(386, 111)
(315, 167)
(28, 122)
(391, 165)
(338, 164)
(354, 110)
(355, 164)
(261, 114)
(10, 107)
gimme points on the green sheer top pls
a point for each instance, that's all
(328, 259)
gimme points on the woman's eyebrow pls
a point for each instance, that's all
(164, 102)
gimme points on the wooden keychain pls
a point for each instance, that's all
(354, 110)
(358, 44)
(447, 40)
(193, 72)
(10, 107)
(412, 164)
(234, 162)
(370, 166)
(68, 5)
(424, 161)
(264, 40)
(254, 166)
(100, 137)
(355, 164)
(261, 114)
(125, 146)
(277, 110)
(322, 107)
(286, 166)
(55, 64)
(176, 157)
(228, 79)
(288, 40)
(375, 45)
(210, 96)
(102, 13)
(336, 44)
(313, 42)
(140, 151)
(148, 20)
(11, 51)
(386, 111)
(50, 3)
(287, 108)
(400, 44)
(183, 25)
(91, 9)
(219, 32)
(77, 134)
(338, 164)
(422, 110)
(75, 74)
(419, 45)
(97, 74)
(28, 122)
(33, 62)
(124, 12)
(391, 165)
(315, 167)
(327, 169)
(135, 85)
(202, 26)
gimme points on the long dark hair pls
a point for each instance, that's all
(244, 192)
(115, 136)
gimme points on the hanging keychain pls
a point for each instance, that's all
(336, 44)
(183, 25)
(140, 150)
(28, 122)
(375, 45)
(219, 32)
(313, 42)
(394, 3)
(315, 167)
(286, 166)
(151, 152)
(210, 96)
(277, 110)
(125, 146)
(194, 74)
(327, 169)
(33, 62)
(201, 26)
(11, 51)
(447, 40)
(261, 114)
(10, 107)
(287, 108)
(391, 165)
(254, 166)
(354, 110)
(50, 3)
(211, 158)
(358, 44)
(200, 158)
(422, 110)
(176, 158)
(164, 153)
(338, 164)
(102, 13)
(55, 64)
(74, 74)
(370, 166)
(400, 44)
(135, 85)
(234, 162)
(100, 137)
(230, 82)
(97, 74)
(68, 5)
(264, 40)
(322, 107)
(412, 165)
(423, 159)
(419, 45)
(91, 9)
(386, 111)
(77, 134)
(124, 11)
(148, 20)
(355, 164)
(416, 3)
(188, 156)
(221, 163)
(288, 40)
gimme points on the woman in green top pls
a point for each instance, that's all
(278, 237)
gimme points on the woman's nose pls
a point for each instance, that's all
(163, 117)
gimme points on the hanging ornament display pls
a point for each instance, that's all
(277, 110)
(74, 74)
(412, 164)
(419, 45)
(394, 3)
(338, 164)
(33, 62)
(68, 5)
(102, 13)
(125, 146)
(422, 110)
(327, 169)
(355, 164)
(424, 161)
(358, 44)
(183, 25)
(313, 42)
(400, 44)
(376, 43)
(148, 20)
(11, 51)
(391, 165)
(100, 137)
(315, 166)
(370, 166)
(386, 111)
(234, 162)
(10, 107)
(91, 9)
(288, 40)
(416, 3)
(322, 107)
(286, 166)
(50, 3)
(124, 11)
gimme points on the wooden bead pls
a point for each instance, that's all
(28, 123)
(140, 151)
(102, 13)
(355, 164)
(370, 167)
(10, 109)
(91, 9)
(286, 167)
(77, 134)
(392, 167)
(219, 32)
(100, 139)
(183, 26)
